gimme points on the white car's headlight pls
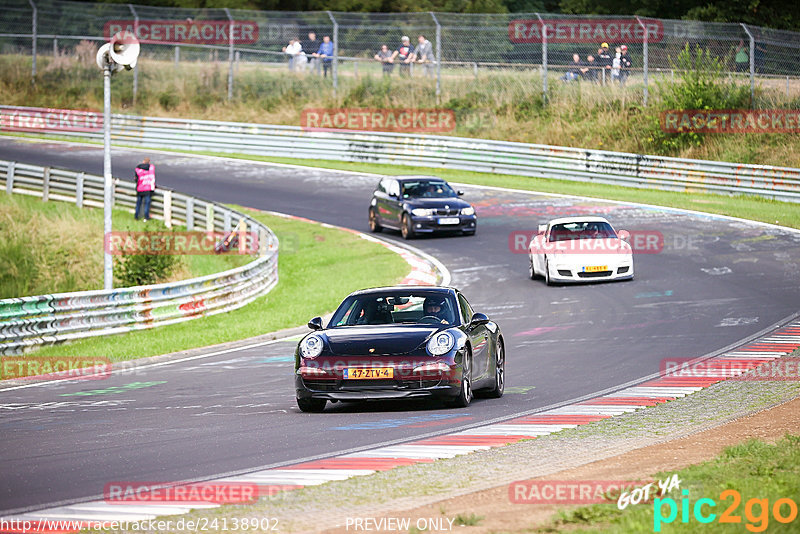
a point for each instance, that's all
(468, 211)
(441, 343)
(311, 346)
(423, 212)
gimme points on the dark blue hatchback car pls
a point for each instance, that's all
(420, 205)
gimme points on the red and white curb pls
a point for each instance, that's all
(752, 355)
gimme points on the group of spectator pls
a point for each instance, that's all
(604, 67)
(310, 53)
(405, 55)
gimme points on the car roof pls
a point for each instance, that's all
(404, 177)
(405, 289)
(582, 218)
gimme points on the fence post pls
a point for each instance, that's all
(10, 177)
(168, 209)
(644, 58)
(209, 217)
(752, 64)
(226, 221)
(190, 214)
(46, 184)
(136, 67)
(34, 36)
(335, 52)
(55, 46)
(79, 189)
(438, 55)
(230, 54)
(177, 55)
(544, 58)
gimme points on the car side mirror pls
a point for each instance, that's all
(315, 323)
(460, 193)
(478, 319)
(542, 228)
(624, 235)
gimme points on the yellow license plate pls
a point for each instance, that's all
(356, 373)
(595, 268)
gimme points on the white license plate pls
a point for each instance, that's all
(449, 220)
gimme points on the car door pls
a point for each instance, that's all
(395, 203)
(380, 200)
(479, 340)
(539, 246)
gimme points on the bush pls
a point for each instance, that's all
(143, 269)
(169, 100)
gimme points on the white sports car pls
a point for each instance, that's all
(580, 249)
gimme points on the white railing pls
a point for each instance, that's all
(45, 319)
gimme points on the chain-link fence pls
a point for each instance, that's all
(449, 55)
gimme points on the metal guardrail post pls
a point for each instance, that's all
(645, 58)
(230, 53)
(226, 217)
(190, 214)
(136, 67)
(438, 55)
(79, 189)
(544, 58)
(34, 36)
(46, 184)
(168, 209)
(335, 52)
(209, 217)
(752, 65)
(10, 177)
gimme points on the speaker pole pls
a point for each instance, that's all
(108, 261)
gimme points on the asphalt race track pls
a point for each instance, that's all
(714, 283)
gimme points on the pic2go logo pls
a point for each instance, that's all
(783, 510)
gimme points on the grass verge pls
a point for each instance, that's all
(313, 276)
(759, 473)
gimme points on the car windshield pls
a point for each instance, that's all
(396, 308)
(427, 189)
(581, 230)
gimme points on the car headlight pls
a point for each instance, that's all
(468, 211)
(423, 212)
(441, 343)
(311, 346)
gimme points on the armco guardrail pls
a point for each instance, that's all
(29, 321)
(617, 168)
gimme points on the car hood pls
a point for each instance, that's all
(578, 248)
(390, 340)
(438, 203)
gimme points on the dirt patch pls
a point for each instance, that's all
(500, 515)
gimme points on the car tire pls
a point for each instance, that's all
(311, 405)
(500, 373)
(374, 226)
(465, 393)
(405, 228)
(547, 279)
(531, 270)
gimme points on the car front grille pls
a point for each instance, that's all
(622, 270)
(450, 212)
(564, 272)
(597, 274)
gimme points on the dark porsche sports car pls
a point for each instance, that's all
(398, 343)
(420, 205)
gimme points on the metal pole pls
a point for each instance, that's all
(644, 58)
(752, 65)
(438, 55)
(544, 58)
(108, 261)
(55, 46)
(34, 36)
(177, 55)
(335, 52)
(230, 54)
(136, 68)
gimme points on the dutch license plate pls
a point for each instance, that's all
(595, 268)
(449, 220)
(357, 373)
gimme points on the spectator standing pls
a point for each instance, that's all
(604, 61)
(385, 57)
(624, 64)
(295, 52)
(310, 46)
(145, 185)
(615, 64)
(325, 53)
(423, 54)
(404, 55)
(742, 58)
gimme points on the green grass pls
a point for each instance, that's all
(755, 469)
(317, 266)
(464, 520)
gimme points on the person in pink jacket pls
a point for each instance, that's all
(145, 185)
